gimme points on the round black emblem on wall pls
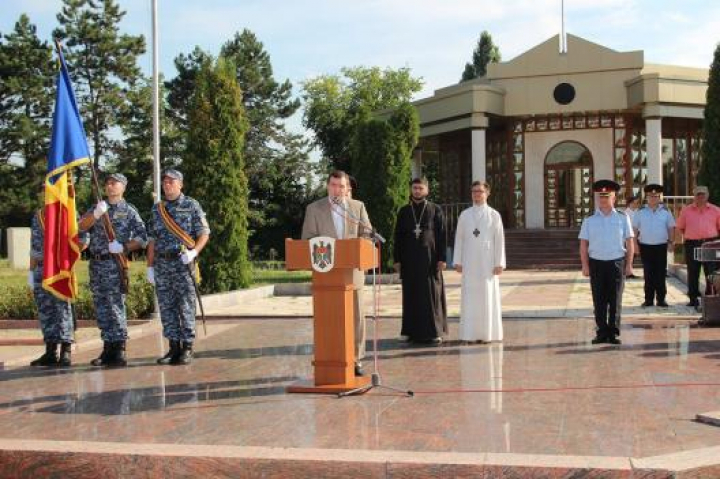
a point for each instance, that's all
(564, 93)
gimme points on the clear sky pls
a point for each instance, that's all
(433, 37)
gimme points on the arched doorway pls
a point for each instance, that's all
(568, 178)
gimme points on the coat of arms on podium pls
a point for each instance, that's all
(322, 253)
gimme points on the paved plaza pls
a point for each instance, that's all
(545, 399)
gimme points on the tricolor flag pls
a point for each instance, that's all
(67, 150)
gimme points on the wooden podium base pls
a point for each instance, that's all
(308, 386)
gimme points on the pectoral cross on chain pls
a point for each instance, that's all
(476, 232)
(417, 231)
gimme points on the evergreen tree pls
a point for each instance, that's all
(181, 88)
(381, 158)
(103, 66)
(709, 174)
(336, 106)
(485, 52)
(215, 174)
(276, 161)
(135, 153)
(27, 74)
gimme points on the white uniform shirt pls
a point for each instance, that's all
(338, 216)
(652, 225)
(606, 234)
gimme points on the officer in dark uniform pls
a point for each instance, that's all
(106, 275)
(654, 228)
(606, 252)
(178, 231)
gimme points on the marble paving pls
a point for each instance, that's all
(545, 391)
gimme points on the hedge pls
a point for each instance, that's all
(16, 302)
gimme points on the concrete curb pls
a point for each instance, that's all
(236, 298)
(134, 332)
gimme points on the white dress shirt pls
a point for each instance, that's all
(338, 216)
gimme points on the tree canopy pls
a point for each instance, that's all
(214, 169)
(336, 105)
(485, 52)
(709, 174)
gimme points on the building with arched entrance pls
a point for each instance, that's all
(542, 126)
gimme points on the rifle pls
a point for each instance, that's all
(120, 258)
(191, 270)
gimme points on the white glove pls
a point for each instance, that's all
(188, 256)
(100, 209)
(150, 275)
(31, 279)
(115, 247)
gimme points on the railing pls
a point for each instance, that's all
(675, 203)
(451, 213)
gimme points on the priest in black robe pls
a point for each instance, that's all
(419, 255)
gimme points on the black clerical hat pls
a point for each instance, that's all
(605, 187)
(653, 188)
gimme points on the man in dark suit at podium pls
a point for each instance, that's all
(340, 217)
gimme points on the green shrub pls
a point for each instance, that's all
(17, 302)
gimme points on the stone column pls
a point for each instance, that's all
(18, 242)
(416, 169)
(478, 155)
(653, 132)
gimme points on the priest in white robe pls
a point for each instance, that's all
(480, 258)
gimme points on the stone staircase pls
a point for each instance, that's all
(555, 249)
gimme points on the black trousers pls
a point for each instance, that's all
(693, 268)
(607, 281)
(654, 261)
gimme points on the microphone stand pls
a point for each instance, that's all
(375, 378)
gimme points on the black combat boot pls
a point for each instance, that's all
(50, 358)
(104, 356)
(65, 355)
(186, 355)
(118, 358)
(172, 354)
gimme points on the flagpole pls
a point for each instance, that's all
(156, 104)
(563, 38)
(156, 128)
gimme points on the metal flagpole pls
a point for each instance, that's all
(563, 39)
(156, 105)
(156, 129)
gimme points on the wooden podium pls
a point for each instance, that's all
(333, 311)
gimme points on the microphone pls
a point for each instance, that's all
(336, 200)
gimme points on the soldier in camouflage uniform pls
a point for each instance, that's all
(106, 281)
(177, 232)
(55, 315)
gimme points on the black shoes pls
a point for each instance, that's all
(50, 358)
(119, 359)
(65, 359)
(172, 354)
(186, 355)
(599, 340)
(694, 303)
(359, 370)
(180, 353)
(608, 340)
(104, 355)
(663, 304)
(112, 356)
(614, 340)
(647, 304)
